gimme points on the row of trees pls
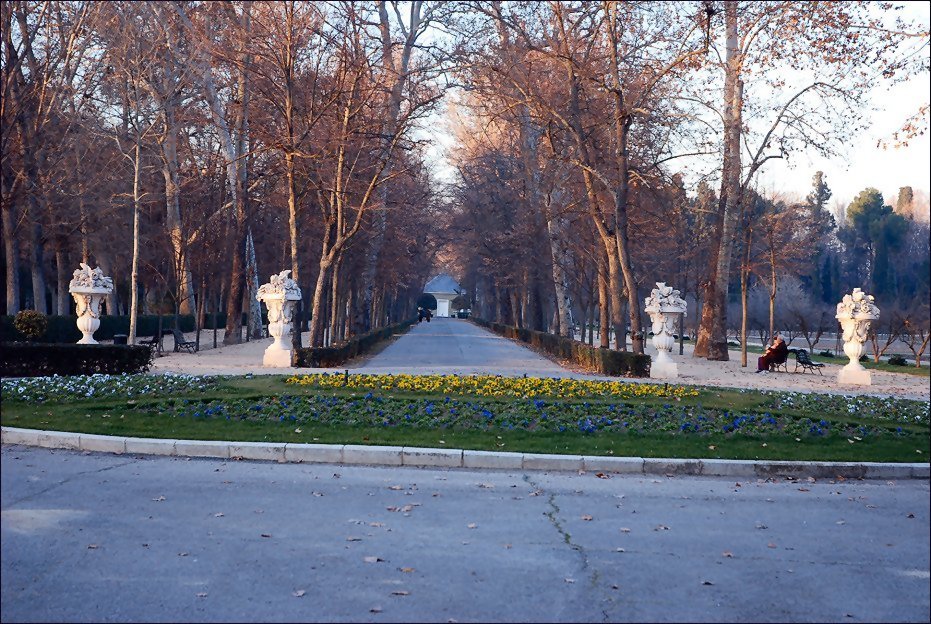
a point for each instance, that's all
(577, 117)
(190, 148)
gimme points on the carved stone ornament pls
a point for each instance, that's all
(88, 287)
(664, 305)
(855, 312)
(279, 295)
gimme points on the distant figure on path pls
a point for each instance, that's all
(776, 353)
(429, 314)
(420, 314)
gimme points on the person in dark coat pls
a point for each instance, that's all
(776, 353)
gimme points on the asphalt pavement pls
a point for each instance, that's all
(100, 537)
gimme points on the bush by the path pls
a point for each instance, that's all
(604, 361)
(327, 357)
(19, 359)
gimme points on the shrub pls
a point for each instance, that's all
(64, 329)
(898, 360)
(826, 353)
(328, 357)
(18, 359)
(604, 361)
(31, 324)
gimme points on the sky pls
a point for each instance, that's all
(861, 163)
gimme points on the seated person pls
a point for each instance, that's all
(776, 353)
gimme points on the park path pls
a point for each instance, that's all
(457, 347)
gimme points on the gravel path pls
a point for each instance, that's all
(452, 346)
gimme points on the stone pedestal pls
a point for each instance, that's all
(855, 313)
(89, 287)
(280, 296)
(664, 305)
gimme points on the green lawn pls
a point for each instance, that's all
(714, 423)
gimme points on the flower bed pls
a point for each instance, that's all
(55, 388)
(495, 386)
(528, 415)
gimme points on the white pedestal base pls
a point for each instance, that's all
(854, 375)
(276, 357)
(87, 339)
(664, 370)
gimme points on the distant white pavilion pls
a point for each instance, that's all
(445, 289)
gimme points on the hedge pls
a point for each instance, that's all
(64, 329)
(326, 357)
(22, 359)
(604, 361)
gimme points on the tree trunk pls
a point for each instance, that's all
(134, 271)
(104, 260)
(252, 276)
(11, 251)
(173, 208)
(61, 268)
(604, 304)
(316, 314)
(713, 332)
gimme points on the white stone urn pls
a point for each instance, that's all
(855, 313)
(665, 306)
(89, 287)
(279, 295)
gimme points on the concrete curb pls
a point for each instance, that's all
(458, 458)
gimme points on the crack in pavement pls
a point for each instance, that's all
(69, 480)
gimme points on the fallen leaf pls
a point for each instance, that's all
(406, 570)
(727, 554)
(661, 527)
(570, 580)
(159, 499)
(486, 486)
(602, 475)
(811, 479)
(871, 506)
(407, 508)
(770, 545)
(840, 522)
(395, 487)
(372, 559)
(298, 593)
(707, 583)
(393, 508)
(265, 535)
(615, 587)
(712, 447)
(400, 592)
(536, 493)
(376, 524)
(375, 610)
(625, 530)
(910, 515)
(219, 514)
(804, 490)
(182, 554)
(587, 518)
(317, 493)
(471, 525)
(619, 550)
(508, 546)
(93, 546)
(352, 538)
(760, 525)
(202, 595)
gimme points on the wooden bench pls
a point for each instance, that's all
(802, 359)
(181, 344)
(775, 367)
(154, 343)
